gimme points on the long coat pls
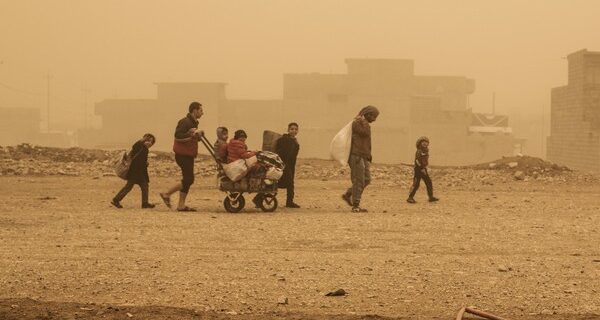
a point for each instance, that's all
(138, 170)
(287, 148)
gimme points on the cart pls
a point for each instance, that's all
(234, 200)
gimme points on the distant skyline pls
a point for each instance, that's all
(120, 48)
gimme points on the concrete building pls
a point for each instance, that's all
(410, 105)
(125, 120)
(575, 115)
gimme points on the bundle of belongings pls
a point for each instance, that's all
(264, 167)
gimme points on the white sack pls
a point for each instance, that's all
(236, 170)
(274, 173)
(340, 145)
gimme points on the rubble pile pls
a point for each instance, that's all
(27, 159)
(527, 168)
(518, 168)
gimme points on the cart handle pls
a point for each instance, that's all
(210, 149)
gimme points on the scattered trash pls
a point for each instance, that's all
(503, 268)
(337, 293)
(282, 300)
(476, 312)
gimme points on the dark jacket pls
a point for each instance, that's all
(287, 148)
(361, 139)
(422, 158)
(422, 154)
(138, 170)
(186, 144)
(221, 150)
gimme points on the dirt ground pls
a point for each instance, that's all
(522, 250)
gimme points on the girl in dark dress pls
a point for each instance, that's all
(138, 171)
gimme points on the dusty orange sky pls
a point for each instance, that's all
(119, 48)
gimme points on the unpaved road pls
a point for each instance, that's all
(523, 250)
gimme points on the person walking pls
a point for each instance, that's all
(360, 157)
(420, 171)
(185, 147)
(138, 172)
(287, 148)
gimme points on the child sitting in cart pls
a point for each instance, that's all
(237, 148)
(220, 146)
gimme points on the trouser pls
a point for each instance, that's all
(127, 188)
(290, 192)
(360, 175)
(186, 163)
(421, 173)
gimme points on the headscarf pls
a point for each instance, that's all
(368, 109)
(221, 133)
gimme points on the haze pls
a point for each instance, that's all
(118, 49)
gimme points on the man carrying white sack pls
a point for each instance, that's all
(360, 156)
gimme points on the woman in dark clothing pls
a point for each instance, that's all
(138, 171)
(287, 148)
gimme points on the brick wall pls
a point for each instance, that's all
(575, 138)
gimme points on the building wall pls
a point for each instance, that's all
(252, 116)
(322, 104)
(575, 115)
(410, 106)
(126, 120)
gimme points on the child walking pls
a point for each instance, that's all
(421, 163)
(138, 172)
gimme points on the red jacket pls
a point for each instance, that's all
(186, 144)
(237, 149)
(188, 147)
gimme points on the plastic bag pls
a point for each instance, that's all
(270, 159)
(236, 170)
(274, 173)
(250, 162)
(341, 144)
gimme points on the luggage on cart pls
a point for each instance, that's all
(270, 140)
(263, 182)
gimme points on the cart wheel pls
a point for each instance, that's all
(234, 202)
(268, 203)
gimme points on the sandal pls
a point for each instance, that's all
(166, 200)
(186, 209)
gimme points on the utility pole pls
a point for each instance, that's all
(86, 92)
(543, 134)
(494, 103)
(48, 77)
